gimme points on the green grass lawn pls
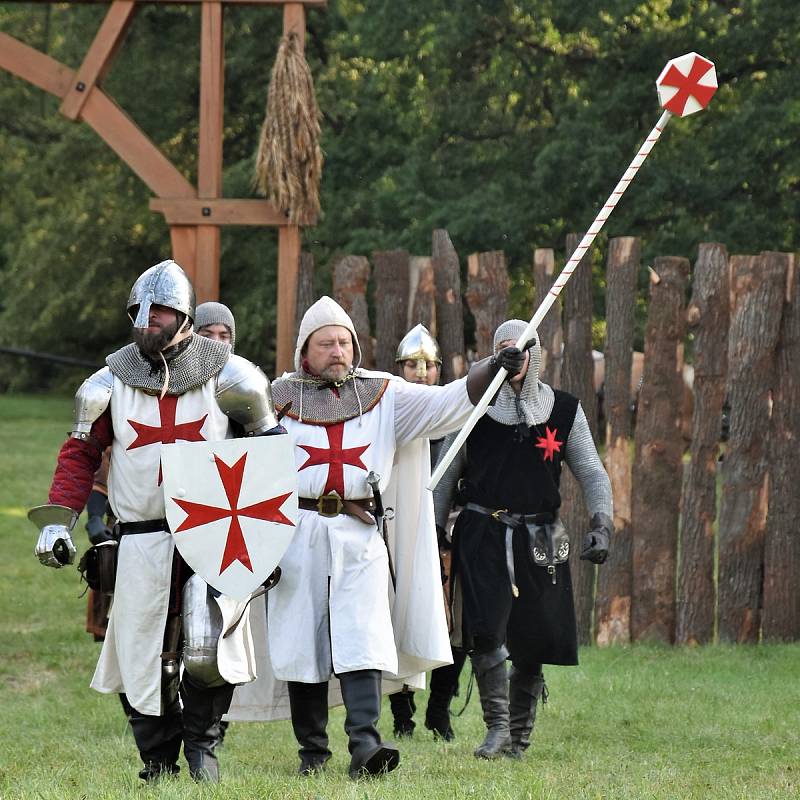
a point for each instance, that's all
(633, 722)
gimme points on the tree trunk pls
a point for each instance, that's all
(615, 577)
(422, 294)
(550, 333)
(350, 280)
(658, 466)
(577, 377)
(759, 283)
(391, 308)
(782, 543)
(305, 289)
(708, 318)
(487, 296)
(449, 312)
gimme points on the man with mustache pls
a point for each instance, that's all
(169, 385)
(331, 614)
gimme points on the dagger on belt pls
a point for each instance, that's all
(381, 515)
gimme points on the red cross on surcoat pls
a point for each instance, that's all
(335, 457)
(549, 444)
(688, 86)
(201, 514)
(169, 431)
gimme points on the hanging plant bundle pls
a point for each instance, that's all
(289, 161)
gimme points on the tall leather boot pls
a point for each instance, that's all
(492, 680)
(524, 692)
(158, 740)
(203, 708)
(361, 692)
(444, 687)
(309, 704)
(403, 708)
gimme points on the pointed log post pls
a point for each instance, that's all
(708, 319)
(422, 294)
(658, 461)
(487, 296)
(350, 281)
(615, 577)
(782, 546)
(759, 284)
(577, 378)
(391, 308)
(449, 311)
(550, 333)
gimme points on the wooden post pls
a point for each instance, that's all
(350, 280)
(449, 312)
(550, 333)
(577, 377)
(209, 163)
(391, 307)
(615, 577)
(759, 284)
(422, 294)
(708, 319)
(782, 545)
(487, 296)
(305, 290)
(658, 464)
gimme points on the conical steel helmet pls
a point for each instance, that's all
(165, 284)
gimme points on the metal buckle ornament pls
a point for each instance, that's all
(496, 514)
(323, 507)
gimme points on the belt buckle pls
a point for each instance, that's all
(323, 507)
(496, 514)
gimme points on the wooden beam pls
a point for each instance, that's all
(178, 211)
(206, 279)
(307, 3)
(294, 21)
(99, 57)
(288, 271)
(123, 136)
(35, 67)
(184, 247)
(212, 87)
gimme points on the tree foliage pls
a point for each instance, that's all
(508, 123)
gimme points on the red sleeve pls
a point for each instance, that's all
(78, 461)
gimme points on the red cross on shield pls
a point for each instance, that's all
(687, 84)
(231, 507)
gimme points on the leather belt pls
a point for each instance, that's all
(145, 526)
(331, 505)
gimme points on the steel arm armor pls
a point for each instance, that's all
(91, 400)
(244, 393)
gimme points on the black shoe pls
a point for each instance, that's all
(403, 708)
(383, 759)
(492, 680)
(156, 770)
(438, 721)
(309, 707)
(311, 766)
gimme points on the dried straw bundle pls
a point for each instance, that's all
(289, 161)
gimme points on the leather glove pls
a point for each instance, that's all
(596, 541)
(511, 359)
(98, 531)
(54, 547)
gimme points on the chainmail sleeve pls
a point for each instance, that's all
(445, 490)
(583, 460)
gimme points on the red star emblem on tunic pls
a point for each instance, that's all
(199, 514)
(549, 443)
(335, 457)
(170, 431)
(688, 86)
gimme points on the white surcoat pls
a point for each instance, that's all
(130, 660)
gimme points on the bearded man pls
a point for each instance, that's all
(511, 579)
(169, 385)
(360, 443)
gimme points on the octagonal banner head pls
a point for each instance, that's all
(687, 84)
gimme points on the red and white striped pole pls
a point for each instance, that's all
(685, 85)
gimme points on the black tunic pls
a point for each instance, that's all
(521, 475)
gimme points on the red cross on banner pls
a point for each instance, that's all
(169, 431)
(687, 84)
(200, 514)
(335, 456)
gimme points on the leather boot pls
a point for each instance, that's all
(524, 691)
(492, 680)
(444, 687)
(158, 740)
(202, 713)
(309, 704)
(403, 708)
(361, 692)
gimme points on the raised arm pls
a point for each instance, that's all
(446, 489)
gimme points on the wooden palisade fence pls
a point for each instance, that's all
(685, 500)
